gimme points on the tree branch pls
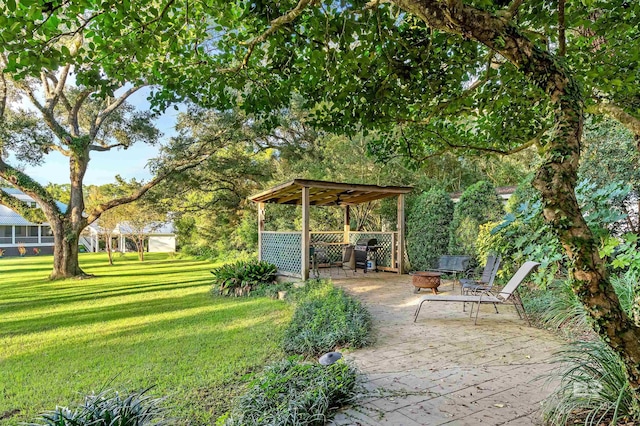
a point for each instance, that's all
(30, 187)
(47, 114)
(52, 100)
(101, 148)
(275, 25)
(3, 93)
(73, 114)
(562, 40)
(97, 123)
(451, 145)
(627, 120)
(100, 209)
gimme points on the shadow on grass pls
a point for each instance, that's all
(193, 351)
(117, 311)
(14, 307)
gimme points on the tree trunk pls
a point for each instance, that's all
(556, 178)
(108, 248)
(65, 254)
(140, 247)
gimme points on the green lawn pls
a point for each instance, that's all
(134, 325)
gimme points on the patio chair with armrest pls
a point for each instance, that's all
(347, 262)
(485, 282)
(506, 295)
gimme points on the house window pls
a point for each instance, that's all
(47, 234)
(5, 234)
(26, 234)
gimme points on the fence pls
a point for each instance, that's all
(283, 249)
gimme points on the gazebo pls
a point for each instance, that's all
(290, 251)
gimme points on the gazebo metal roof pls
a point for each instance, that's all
(322, 193)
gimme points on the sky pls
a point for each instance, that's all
(104, 166)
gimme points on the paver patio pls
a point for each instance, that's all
(443, 369)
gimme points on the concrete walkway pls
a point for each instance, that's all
(443, 369)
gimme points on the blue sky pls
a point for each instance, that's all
(104, 166)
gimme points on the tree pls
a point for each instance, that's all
(142, 220)
(60, 92)
(478, 76)
(428, 225)
(110, 219)
(478, 205)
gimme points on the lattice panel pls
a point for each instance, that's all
(385, 240)
(283, 249)
(328, 245)
(326, 237)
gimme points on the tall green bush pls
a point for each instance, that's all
(428, 225)
(478, 205)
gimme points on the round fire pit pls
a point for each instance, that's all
(424, 279)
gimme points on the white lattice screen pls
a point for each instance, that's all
(283, 249)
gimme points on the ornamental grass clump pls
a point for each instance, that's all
(108, 408)
(325, 319)
(292, 392)
(593, 388)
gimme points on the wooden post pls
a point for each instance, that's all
(394, 252)
(304, 269)
(347, 224)
(400, 228)
(260, 228)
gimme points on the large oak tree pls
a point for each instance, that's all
(480, 76)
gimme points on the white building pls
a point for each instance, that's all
(17, 231)
(161, 237)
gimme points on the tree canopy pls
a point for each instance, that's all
(478, 76)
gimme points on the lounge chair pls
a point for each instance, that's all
(507, 294)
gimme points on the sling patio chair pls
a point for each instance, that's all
(485, 281)
(347, 262)
(506, 295)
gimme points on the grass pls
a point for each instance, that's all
(136, 325)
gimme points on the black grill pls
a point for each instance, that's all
(366, 249)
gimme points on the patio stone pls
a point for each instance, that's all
(443, 370)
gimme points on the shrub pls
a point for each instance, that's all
(593, 389)
(294, 393)
(478, 204)
(325, 319)
(558, 308)
(428, 225)
(240, 277)
(108, 408)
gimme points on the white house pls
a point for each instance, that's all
(17, 231)
(161, 237)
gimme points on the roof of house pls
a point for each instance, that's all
(10, 217)
(503, 191)
(156, 228)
